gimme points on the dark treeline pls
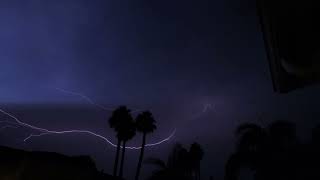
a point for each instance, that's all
(274, 152)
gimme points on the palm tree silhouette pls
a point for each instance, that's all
(163, 171)
(250, 138)
(267, 151)
(282, 135)
(195, 154)
(116, 121)
(177, 166)
(127, 131)
(145, 124)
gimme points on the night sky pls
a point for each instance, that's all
(172, 57)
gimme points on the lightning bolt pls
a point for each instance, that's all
(48, 132)
(207, 107)
(86, 98)
(44, 131)
(90, 101)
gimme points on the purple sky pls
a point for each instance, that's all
(170, 57)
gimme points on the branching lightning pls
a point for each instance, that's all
(206, 107)
(90, 101)
(86, 98)
(43, 131)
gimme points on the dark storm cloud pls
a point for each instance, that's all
(170, 56)
(111, 47)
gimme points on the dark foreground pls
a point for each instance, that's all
(35, 165)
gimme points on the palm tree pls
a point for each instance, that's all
(163, 171)
(267, 151)
(177, 166)
(145, 124)
(127, 131)
(119, 115)
(251, 137)
(195, 155)
(283, 150)
(282, 135)
(167, 170)
(251, 142)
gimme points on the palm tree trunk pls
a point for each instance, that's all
(115, 167)
(141, 156)
(122, 159)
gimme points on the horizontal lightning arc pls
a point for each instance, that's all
(101, 137)
(47, 132)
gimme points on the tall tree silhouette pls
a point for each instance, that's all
(116, 121)
(127, 131)
(145, 124)
(195, 155)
